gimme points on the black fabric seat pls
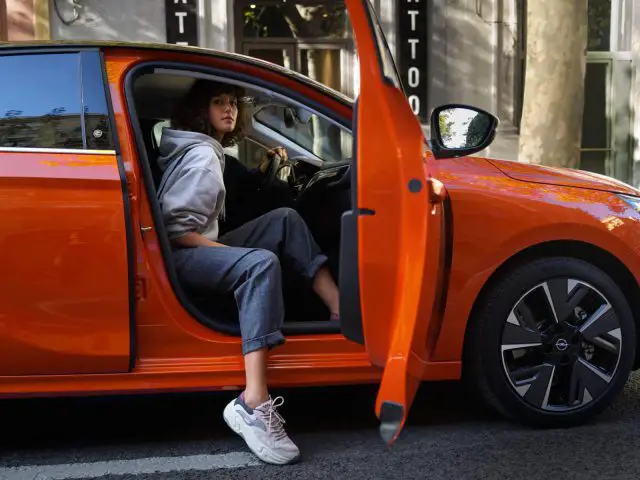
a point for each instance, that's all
(152, 149)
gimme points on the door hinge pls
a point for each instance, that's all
(141, 287)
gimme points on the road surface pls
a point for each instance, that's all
(184, 437)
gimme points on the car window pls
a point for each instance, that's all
(317, 135)
(94, 100)
(40, 101)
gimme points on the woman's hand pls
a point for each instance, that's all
(193, 240)
(268, 157)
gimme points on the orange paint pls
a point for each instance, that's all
(65, 299)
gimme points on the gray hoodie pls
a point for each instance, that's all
(192, 191)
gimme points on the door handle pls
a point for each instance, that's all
(436, 190)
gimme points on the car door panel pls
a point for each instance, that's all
(394, 230)
(64, 292)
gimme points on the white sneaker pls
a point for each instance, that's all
(262, 429)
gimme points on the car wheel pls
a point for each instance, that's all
(552, 343)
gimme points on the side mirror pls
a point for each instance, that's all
(461, 130)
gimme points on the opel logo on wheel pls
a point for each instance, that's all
(562, 345)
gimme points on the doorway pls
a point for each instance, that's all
(311, 37)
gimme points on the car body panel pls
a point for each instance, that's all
(65, 296)
(397, 218)
(496, 217)
(562, 177)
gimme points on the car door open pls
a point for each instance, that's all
(391, 253)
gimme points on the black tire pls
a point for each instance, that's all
(489, 373)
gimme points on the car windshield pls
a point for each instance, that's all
(313, 133)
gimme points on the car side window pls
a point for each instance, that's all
(53, 100)
(40, 99)
(323, 138)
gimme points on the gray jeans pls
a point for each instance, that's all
(250, 268)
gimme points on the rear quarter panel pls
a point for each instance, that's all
(495, 217)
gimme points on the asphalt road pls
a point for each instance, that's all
(447, 437)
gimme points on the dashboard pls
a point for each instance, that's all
(308, 178)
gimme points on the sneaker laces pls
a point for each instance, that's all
(275, 422)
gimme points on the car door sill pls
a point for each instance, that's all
(309, 328)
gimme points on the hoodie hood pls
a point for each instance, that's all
(175, 142)
(192, 191)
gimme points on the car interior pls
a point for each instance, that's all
(315, 181)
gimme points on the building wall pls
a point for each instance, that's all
(473, 60)
(3, 21)
(125, 20)
(20, 20)
(216, 25)
(635, 95)
(142, 21)
(24, 20)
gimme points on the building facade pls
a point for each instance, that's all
(22, 20)
(467, 51)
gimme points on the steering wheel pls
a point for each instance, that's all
(271, 175)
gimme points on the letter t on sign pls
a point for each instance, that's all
(182, 21)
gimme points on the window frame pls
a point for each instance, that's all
(80, 54)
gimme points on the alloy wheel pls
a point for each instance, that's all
(561, 345)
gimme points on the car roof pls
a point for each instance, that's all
(167, 47)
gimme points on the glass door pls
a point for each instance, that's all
(606, 128)
(311, 37)
(280, 54)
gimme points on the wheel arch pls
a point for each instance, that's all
(588, 252)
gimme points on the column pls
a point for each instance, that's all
(635, 92)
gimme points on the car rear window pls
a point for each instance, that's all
(54, 101)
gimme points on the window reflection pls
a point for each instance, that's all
(317, 135)
(599, 25)
(40, 101)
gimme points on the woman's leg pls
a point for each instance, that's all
(327, 290)
(254, 277)
(284, 232)
(255, 365)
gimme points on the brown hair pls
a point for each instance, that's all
(192, 113)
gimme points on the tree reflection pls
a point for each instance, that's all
(55, 129)
(327, 20)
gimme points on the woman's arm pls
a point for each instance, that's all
(193, 240)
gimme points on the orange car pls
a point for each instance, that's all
(522, 279)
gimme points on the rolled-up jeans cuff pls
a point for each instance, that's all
(269, 341)
(312, 269)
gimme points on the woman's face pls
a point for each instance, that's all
(223, 113)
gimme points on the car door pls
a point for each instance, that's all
(65, 296)
(391, 239)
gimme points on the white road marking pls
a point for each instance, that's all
(130, 467)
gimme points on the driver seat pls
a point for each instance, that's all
(152, 145)
(214, 309)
